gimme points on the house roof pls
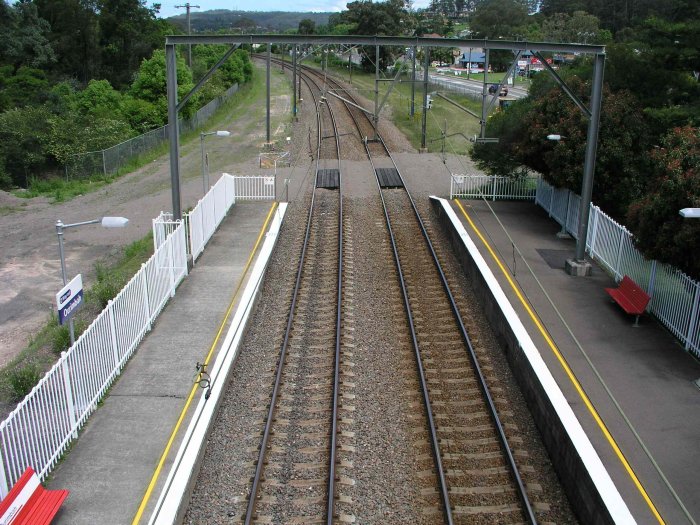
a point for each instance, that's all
(473, 56)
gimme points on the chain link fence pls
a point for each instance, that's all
(109, 161)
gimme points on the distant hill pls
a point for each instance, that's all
(258, 21)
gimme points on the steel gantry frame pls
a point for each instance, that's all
(592, 112)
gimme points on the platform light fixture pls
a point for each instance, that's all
(106, 222)
(690, 213)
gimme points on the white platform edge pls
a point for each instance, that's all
(176, 486)
(608, 491)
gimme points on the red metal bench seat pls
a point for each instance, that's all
(28, 503)
(630, 297)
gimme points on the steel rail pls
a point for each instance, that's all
(250, 509)
(444, 492)
(522, 492)
(336, 371)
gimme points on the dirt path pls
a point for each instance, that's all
(30, 273)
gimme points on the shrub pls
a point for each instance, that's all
(22, 380)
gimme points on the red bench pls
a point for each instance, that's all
(28, 503)
(630, 297)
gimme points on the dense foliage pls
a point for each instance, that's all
(649, 121)
(79, 75)
(247, 21)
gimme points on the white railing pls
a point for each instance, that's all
(205, 218)
(42, 426)
(488, 187)
(260, 188)
(675, 297)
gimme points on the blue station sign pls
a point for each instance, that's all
(69, 299)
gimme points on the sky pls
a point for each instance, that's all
(168, 6)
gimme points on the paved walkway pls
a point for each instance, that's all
(645, 369)
(110, 466)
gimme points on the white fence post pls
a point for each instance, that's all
(113, 332)
(69, 394)
(693, 318)
(172, 266)
(619, 253)
(652, 279)
(594, 235)
(4, 486)
(146, 305)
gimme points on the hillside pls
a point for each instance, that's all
(215, 20)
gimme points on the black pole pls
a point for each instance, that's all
(294, 81)
(413, 83)
(425, 99)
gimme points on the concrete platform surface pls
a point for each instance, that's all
(110, 466)
(644, 371)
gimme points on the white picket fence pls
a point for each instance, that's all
(675, 297)
(487, 187)
(44, 424)
(255, 187)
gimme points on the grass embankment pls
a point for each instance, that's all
(442, 116)
(19, 376)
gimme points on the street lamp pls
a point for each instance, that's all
(107, 222)
(205, 163)
(690, 213)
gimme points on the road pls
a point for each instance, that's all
(471, 87)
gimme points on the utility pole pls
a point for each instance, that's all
(189, 46)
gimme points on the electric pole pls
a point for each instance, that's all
(189, 46)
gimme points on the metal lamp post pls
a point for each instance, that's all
(205, 163)
(107, 222)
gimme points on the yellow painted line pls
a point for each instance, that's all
(195, 387)
(562, 361)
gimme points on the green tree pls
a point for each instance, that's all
(307, 27)
(580, 27)
(621, 172)
(24, 41)
(24, 136)
(389, 18)
(150, 85)
(496, 19)
(129, 32)
(660, 232)
(74, 36)
(98, 99)
(27, 86)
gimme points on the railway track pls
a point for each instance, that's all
(478, 478)
(460, 461)
(295, 469)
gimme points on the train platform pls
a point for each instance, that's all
(632, 389)
(110, 468)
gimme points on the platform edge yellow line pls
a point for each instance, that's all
(562, 361)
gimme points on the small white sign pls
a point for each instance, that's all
(269, 181)
(69, 298)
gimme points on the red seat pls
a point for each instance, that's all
(28, 503)
(630, 297)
